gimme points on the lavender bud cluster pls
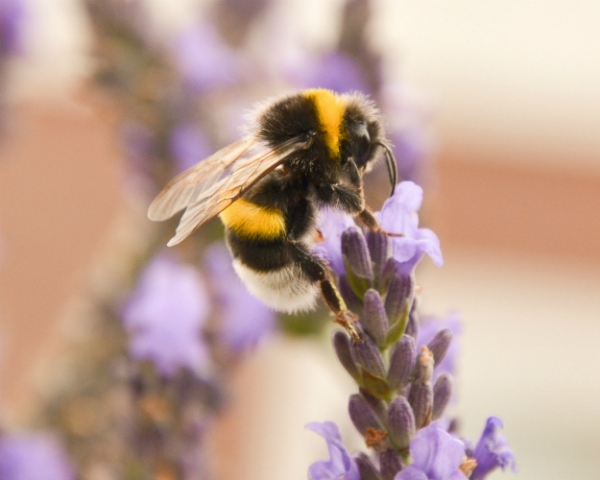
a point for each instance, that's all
(403, 392)
(396, 394)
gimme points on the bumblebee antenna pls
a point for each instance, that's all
(392, 167)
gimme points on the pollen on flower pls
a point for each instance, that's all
(467, 465)
(375, 438)
(426, 356)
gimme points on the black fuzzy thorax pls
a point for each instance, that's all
(297, 116)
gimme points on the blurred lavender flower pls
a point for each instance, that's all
(188, 145)
(332, 223)
(340, 465)
(243, 319)
(435, 456)
(492, 451)
(11, 21)
(399, 215)
(165, 315)
(335, 71)
(33, 457)
(204, 60)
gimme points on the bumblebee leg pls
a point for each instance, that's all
(369, 220)
(316, 272)
(343, 317)
(341, 196)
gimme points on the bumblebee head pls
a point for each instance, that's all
(364, 137)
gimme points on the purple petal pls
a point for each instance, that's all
(328, 430)
(404, 248)
(399, 215)
(341, 465)
(33, 456)
(436, 453)
(332, 223)
(492, 450)
(429, 243)
(411, 473)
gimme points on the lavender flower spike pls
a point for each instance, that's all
(340, 466)
(165, 315)
(33, 456)
(399, 215)
(435, 456)
(492, 451)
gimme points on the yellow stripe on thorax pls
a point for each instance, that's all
(330, 111)
(253, 221)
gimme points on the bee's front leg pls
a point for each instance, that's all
(369, 220)
(340, 196)
(317, 272)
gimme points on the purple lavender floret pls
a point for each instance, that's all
(203, 59)
(188, 145)
(243, 319)
(399, 215)
(435, 456)
(165, 315)
(332, 224)
(33, 456)
(492, 451)
(340, 466)
(428, 329)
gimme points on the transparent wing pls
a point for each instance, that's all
(186, 187)
(219, 191)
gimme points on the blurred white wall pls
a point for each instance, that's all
(509, 74)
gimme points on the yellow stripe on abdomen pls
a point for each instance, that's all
(330, 111)
(249, 220)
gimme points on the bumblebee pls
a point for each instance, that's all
(304, 151)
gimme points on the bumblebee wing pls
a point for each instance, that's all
(246, 171)
(187, 187)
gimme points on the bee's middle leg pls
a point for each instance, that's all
(369, 220)
(317, 272)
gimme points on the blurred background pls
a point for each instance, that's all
(513, 190)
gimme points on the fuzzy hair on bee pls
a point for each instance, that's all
(301, 152)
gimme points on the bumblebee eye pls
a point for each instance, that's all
(361, 141)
